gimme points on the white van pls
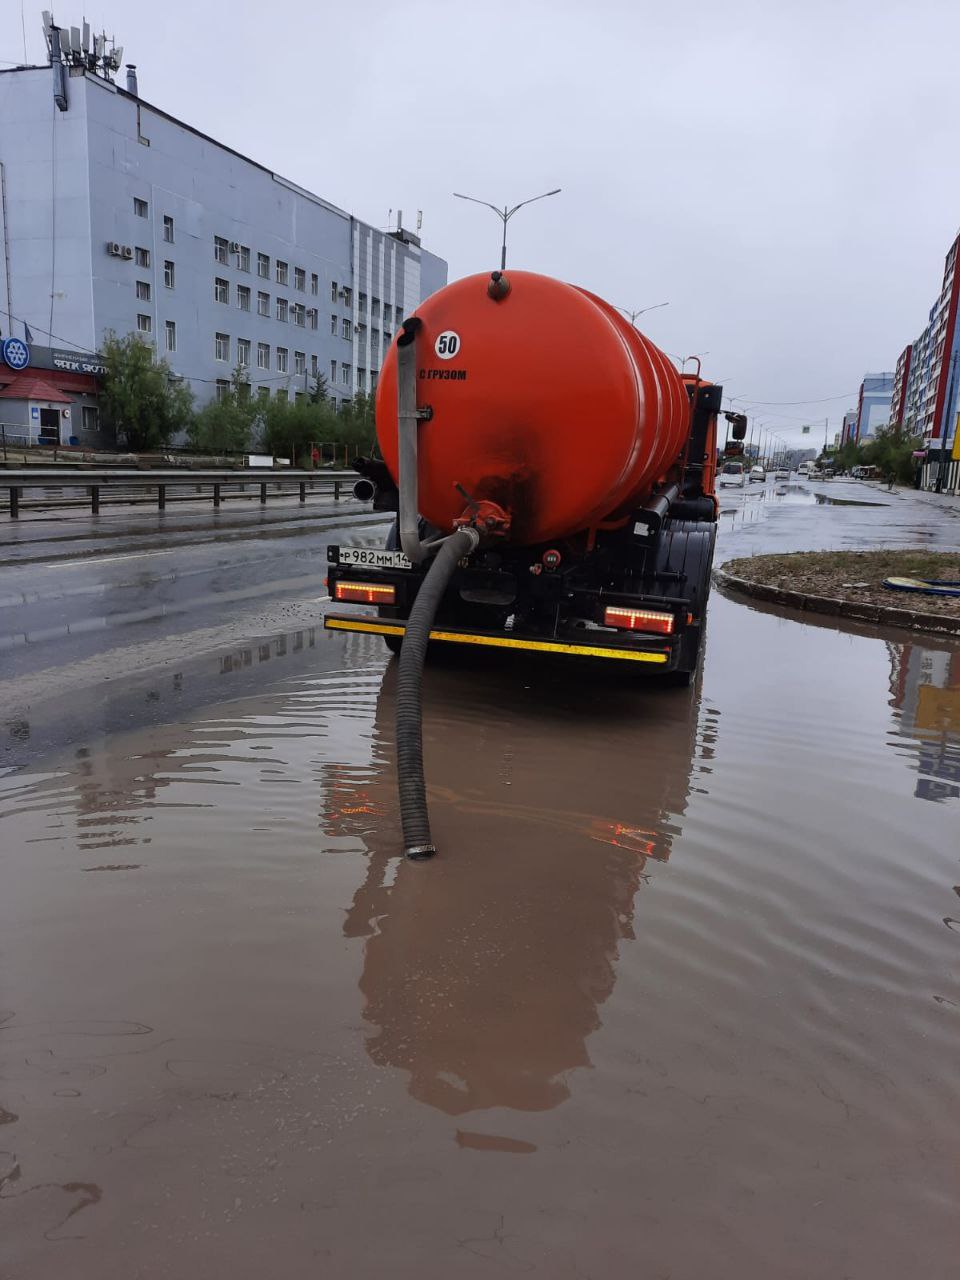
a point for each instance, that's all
(731, 473)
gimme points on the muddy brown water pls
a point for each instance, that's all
(678, 999)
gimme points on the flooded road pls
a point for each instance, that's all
(679, 998)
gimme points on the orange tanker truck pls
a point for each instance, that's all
(553, 479)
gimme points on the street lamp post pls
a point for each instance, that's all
(505, 214)
(632, 315)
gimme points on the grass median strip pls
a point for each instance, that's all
(853, 577)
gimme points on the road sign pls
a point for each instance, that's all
(16, 353)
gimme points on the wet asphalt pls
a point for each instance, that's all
(677, 998)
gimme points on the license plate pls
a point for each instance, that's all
(371, 558)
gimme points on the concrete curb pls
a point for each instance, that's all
(885, 615)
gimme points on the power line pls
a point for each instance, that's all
(823, 400)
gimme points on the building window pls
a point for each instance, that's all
(168, 228)
(223, 388)
(387, 336)
(221, 290)
(362, 301)
(314, 284)
(243, 258)
(171, 332)
(299, 278)
(140, 207)
(263, 304)
(143, 291)
(243, 351)
(373, 381)
(334, 322)
(142, 257)
(299, 314)
(169, 274)
(263, 266)
(387, 313)
(361, 380)
(299, 362)
(220, 248)
(263, 355)
(333, 370)
(283, 272)
(222, 346)
(144, 324)
(282, 309)
(243, 392)
(345, 328)
(263, 393)
(282, 394)
(299, 397)
(347, 296)
(243, 297)
(282, 359)
(345, 374)
(398, 313)
(333, 290)
(314, 367)
(375, 309)
(375, 339)
(313, 316)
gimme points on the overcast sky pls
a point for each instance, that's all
(786, 175)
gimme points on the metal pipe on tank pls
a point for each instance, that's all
(409, 418)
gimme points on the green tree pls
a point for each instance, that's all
(290, 428)
(225, 425)
(320, 393)
(138, 398)
(356, 424)
(891, 451)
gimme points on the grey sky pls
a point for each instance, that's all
(785, 175)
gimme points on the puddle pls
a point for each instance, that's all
(682, 984)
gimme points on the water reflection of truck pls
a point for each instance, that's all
(485, 979)
(531, 412)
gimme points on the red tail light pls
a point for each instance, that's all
(638, 620)
(365, 592)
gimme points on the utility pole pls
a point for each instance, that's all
(942, 464)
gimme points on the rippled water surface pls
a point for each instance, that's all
(679, 998)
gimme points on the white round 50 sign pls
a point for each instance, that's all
(447, 345)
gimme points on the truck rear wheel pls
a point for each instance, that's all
(686, 548)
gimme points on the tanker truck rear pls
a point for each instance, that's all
(529, 413)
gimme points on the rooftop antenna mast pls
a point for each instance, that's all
(71, 47)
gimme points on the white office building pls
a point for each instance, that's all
(116, 216)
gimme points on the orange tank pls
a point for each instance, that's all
(545, 401)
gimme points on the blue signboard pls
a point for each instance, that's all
(16, 353)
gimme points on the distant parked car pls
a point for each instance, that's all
(732, 474)
(782, 475)
(757, 473)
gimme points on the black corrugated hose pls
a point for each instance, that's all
(413, 797)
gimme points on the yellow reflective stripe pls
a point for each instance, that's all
(501, 642)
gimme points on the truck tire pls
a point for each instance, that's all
(686, 548)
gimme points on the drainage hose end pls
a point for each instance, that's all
(420, 852)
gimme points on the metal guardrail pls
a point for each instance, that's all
(16, 480)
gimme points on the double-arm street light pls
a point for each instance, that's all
(505, 214)
(632, 315)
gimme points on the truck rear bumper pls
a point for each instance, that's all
(653, 653)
